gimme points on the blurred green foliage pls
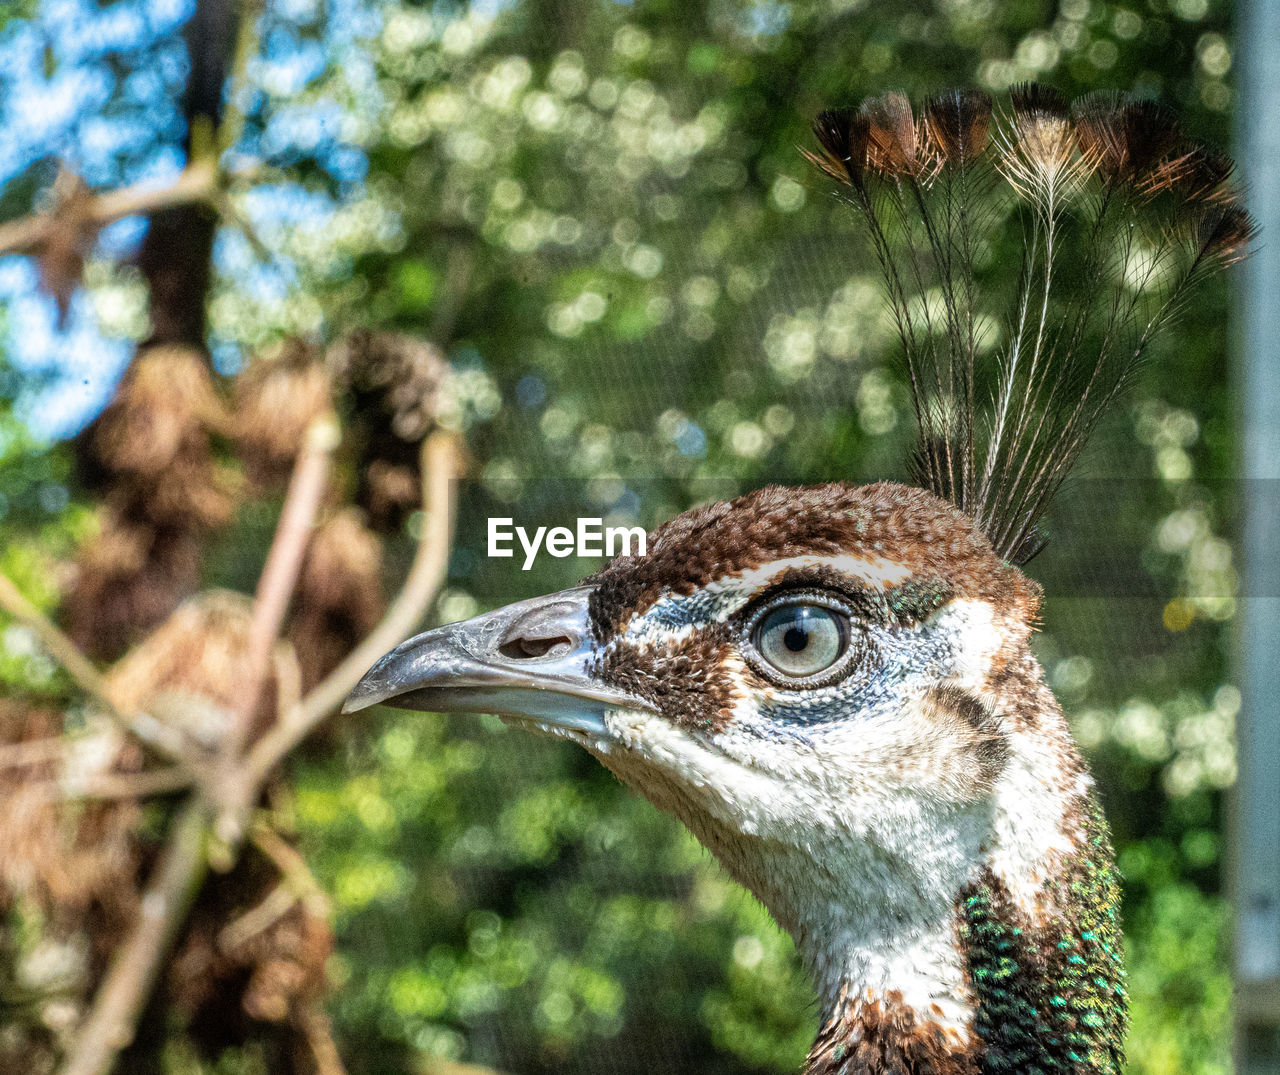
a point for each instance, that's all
(599, 209)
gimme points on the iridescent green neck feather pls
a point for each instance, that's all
(1051, 994)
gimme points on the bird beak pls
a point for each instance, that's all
(530, 660)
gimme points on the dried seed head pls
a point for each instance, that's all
(150, 452)
(126, 580)
(405, 378)
(70, 233)
(288, 965)
(277, 397)
(65, 862)
(398, 387)
(391, 489)
(272, 974)
(149, 459)
(164, 410)
(188, 671)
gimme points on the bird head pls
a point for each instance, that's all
(831, 687)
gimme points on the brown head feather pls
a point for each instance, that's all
(910, 527)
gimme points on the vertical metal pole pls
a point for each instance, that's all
(1256, 850)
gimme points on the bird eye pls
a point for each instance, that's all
(801, 639)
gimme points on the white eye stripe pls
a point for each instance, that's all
(720, 598)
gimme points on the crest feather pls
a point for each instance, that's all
(1121, 218)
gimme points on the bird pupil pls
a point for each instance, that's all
(799, 640)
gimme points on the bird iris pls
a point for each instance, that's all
(801, 639)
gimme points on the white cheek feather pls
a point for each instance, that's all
(752, 800)
(1028, 820)
(862, 877)
(871, 571)
(972, 627)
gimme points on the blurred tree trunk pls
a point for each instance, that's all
(176, 253)
(176, 261)
(156, 477)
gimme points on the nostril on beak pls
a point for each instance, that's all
(525, 648)
(545, 630)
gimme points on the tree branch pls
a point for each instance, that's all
(163, 738)
(261, 917)
(245, 49)
(324, 1050)
(136, 963)
(196, 183)
(292, 866)
(33, 752)
(176, 878)
(441, 463)
(102, 786)
(298, 884)
(288, 673)
(279, 575)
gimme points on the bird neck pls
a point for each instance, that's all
(998, 987)
(1020, 968)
